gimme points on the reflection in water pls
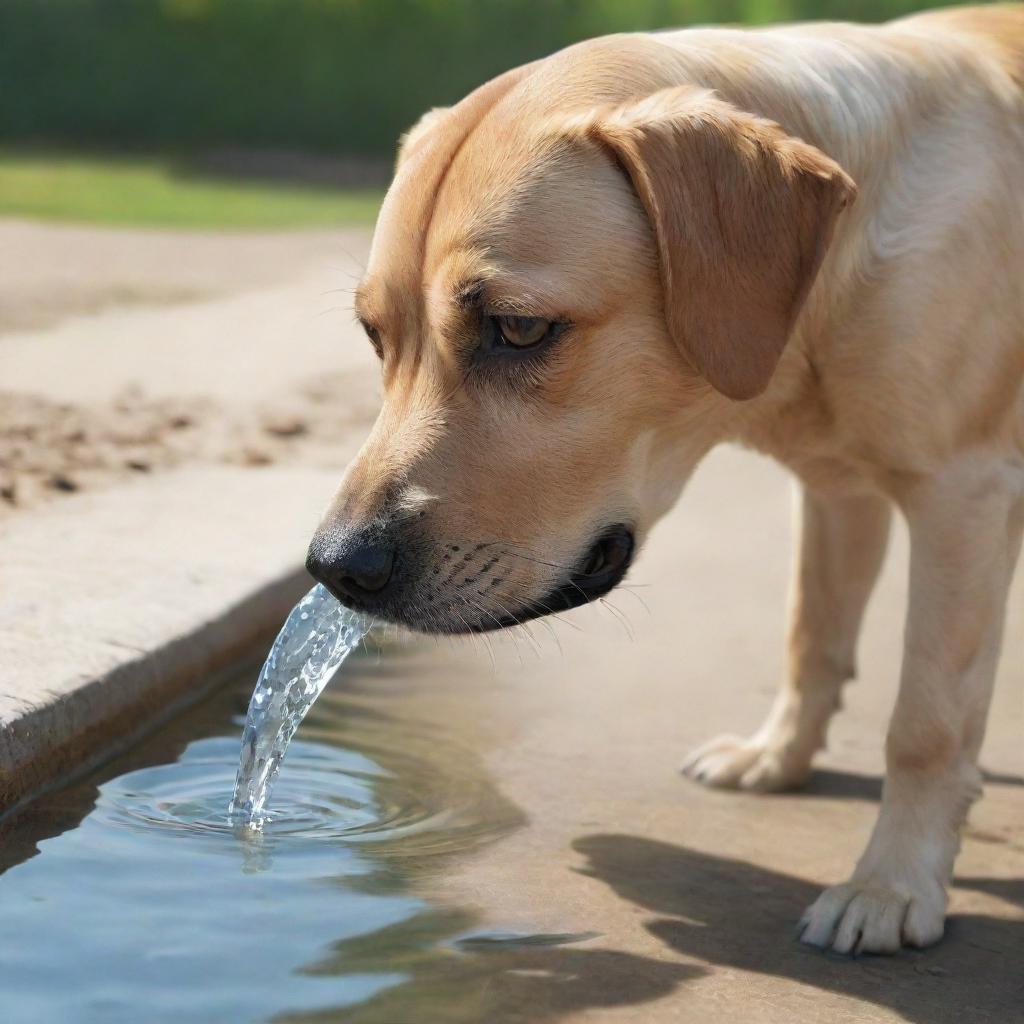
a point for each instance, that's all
(151, 908)
(128, 899)
(537, 980)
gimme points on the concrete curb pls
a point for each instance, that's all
(119, 608)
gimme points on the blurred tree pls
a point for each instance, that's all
(335, 75)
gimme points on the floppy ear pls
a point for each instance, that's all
(408, 142)
(742, 214)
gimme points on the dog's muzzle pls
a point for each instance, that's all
(601, 570)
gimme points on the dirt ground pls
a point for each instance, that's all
(125, 352)
(673, 903)
(56, 271)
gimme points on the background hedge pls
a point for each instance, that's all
(334, 75)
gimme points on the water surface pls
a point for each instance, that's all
(129, 897)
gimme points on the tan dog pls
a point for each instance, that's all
(596, 267)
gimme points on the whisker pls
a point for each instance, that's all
(621, 618)
(516, 621)
(533, 640)
(541, 561)
(547, 609)
(518, 624)
(560, 618)
(468, 635)
(352, 258)
(554, 636)
(554, 565)
(486, 639)
(511, 630)
(627, 589)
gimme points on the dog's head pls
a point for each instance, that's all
(571, 291)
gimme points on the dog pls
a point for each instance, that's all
(806, 239)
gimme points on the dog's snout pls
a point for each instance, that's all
(368, 567)
(355, 569)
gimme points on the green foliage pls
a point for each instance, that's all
(336, 75)
(156, 191)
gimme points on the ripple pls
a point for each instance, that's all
(324, 791)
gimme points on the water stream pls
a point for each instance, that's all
(131, 888)
(127, 895)
(318, 635)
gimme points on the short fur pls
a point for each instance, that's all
(686, 202)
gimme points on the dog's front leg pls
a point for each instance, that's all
(842, 545)
(965, 533)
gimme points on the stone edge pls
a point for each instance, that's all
(110, 713)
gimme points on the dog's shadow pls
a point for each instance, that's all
(832, 784)
(741, 916)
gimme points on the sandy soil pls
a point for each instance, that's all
(126, 352)
(53, 271)
(50, 448)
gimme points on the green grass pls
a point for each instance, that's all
(153, 192)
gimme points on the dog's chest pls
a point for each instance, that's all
(806, 437)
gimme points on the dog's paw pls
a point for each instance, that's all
(731, 762)
(874, 917)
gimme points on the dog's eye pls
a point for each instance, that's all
(522, 331)
(374, 335)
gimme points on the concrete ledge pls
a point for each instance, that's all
(118, 608)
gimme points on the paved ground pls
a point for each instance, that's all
(119, 606)
(691, 895)
(125, 355)
(694, 894)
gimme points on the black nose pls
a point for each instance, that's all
(354, 569)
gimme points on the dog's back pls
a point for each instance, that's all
(930, 256)
(1000, 26)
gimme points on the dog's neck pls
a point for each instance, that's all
(855, 95)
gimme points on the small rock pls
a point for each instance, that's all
(256, 457)
(286, 427)
(62, 482)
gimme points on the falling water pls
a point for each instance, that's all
(318, 635)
